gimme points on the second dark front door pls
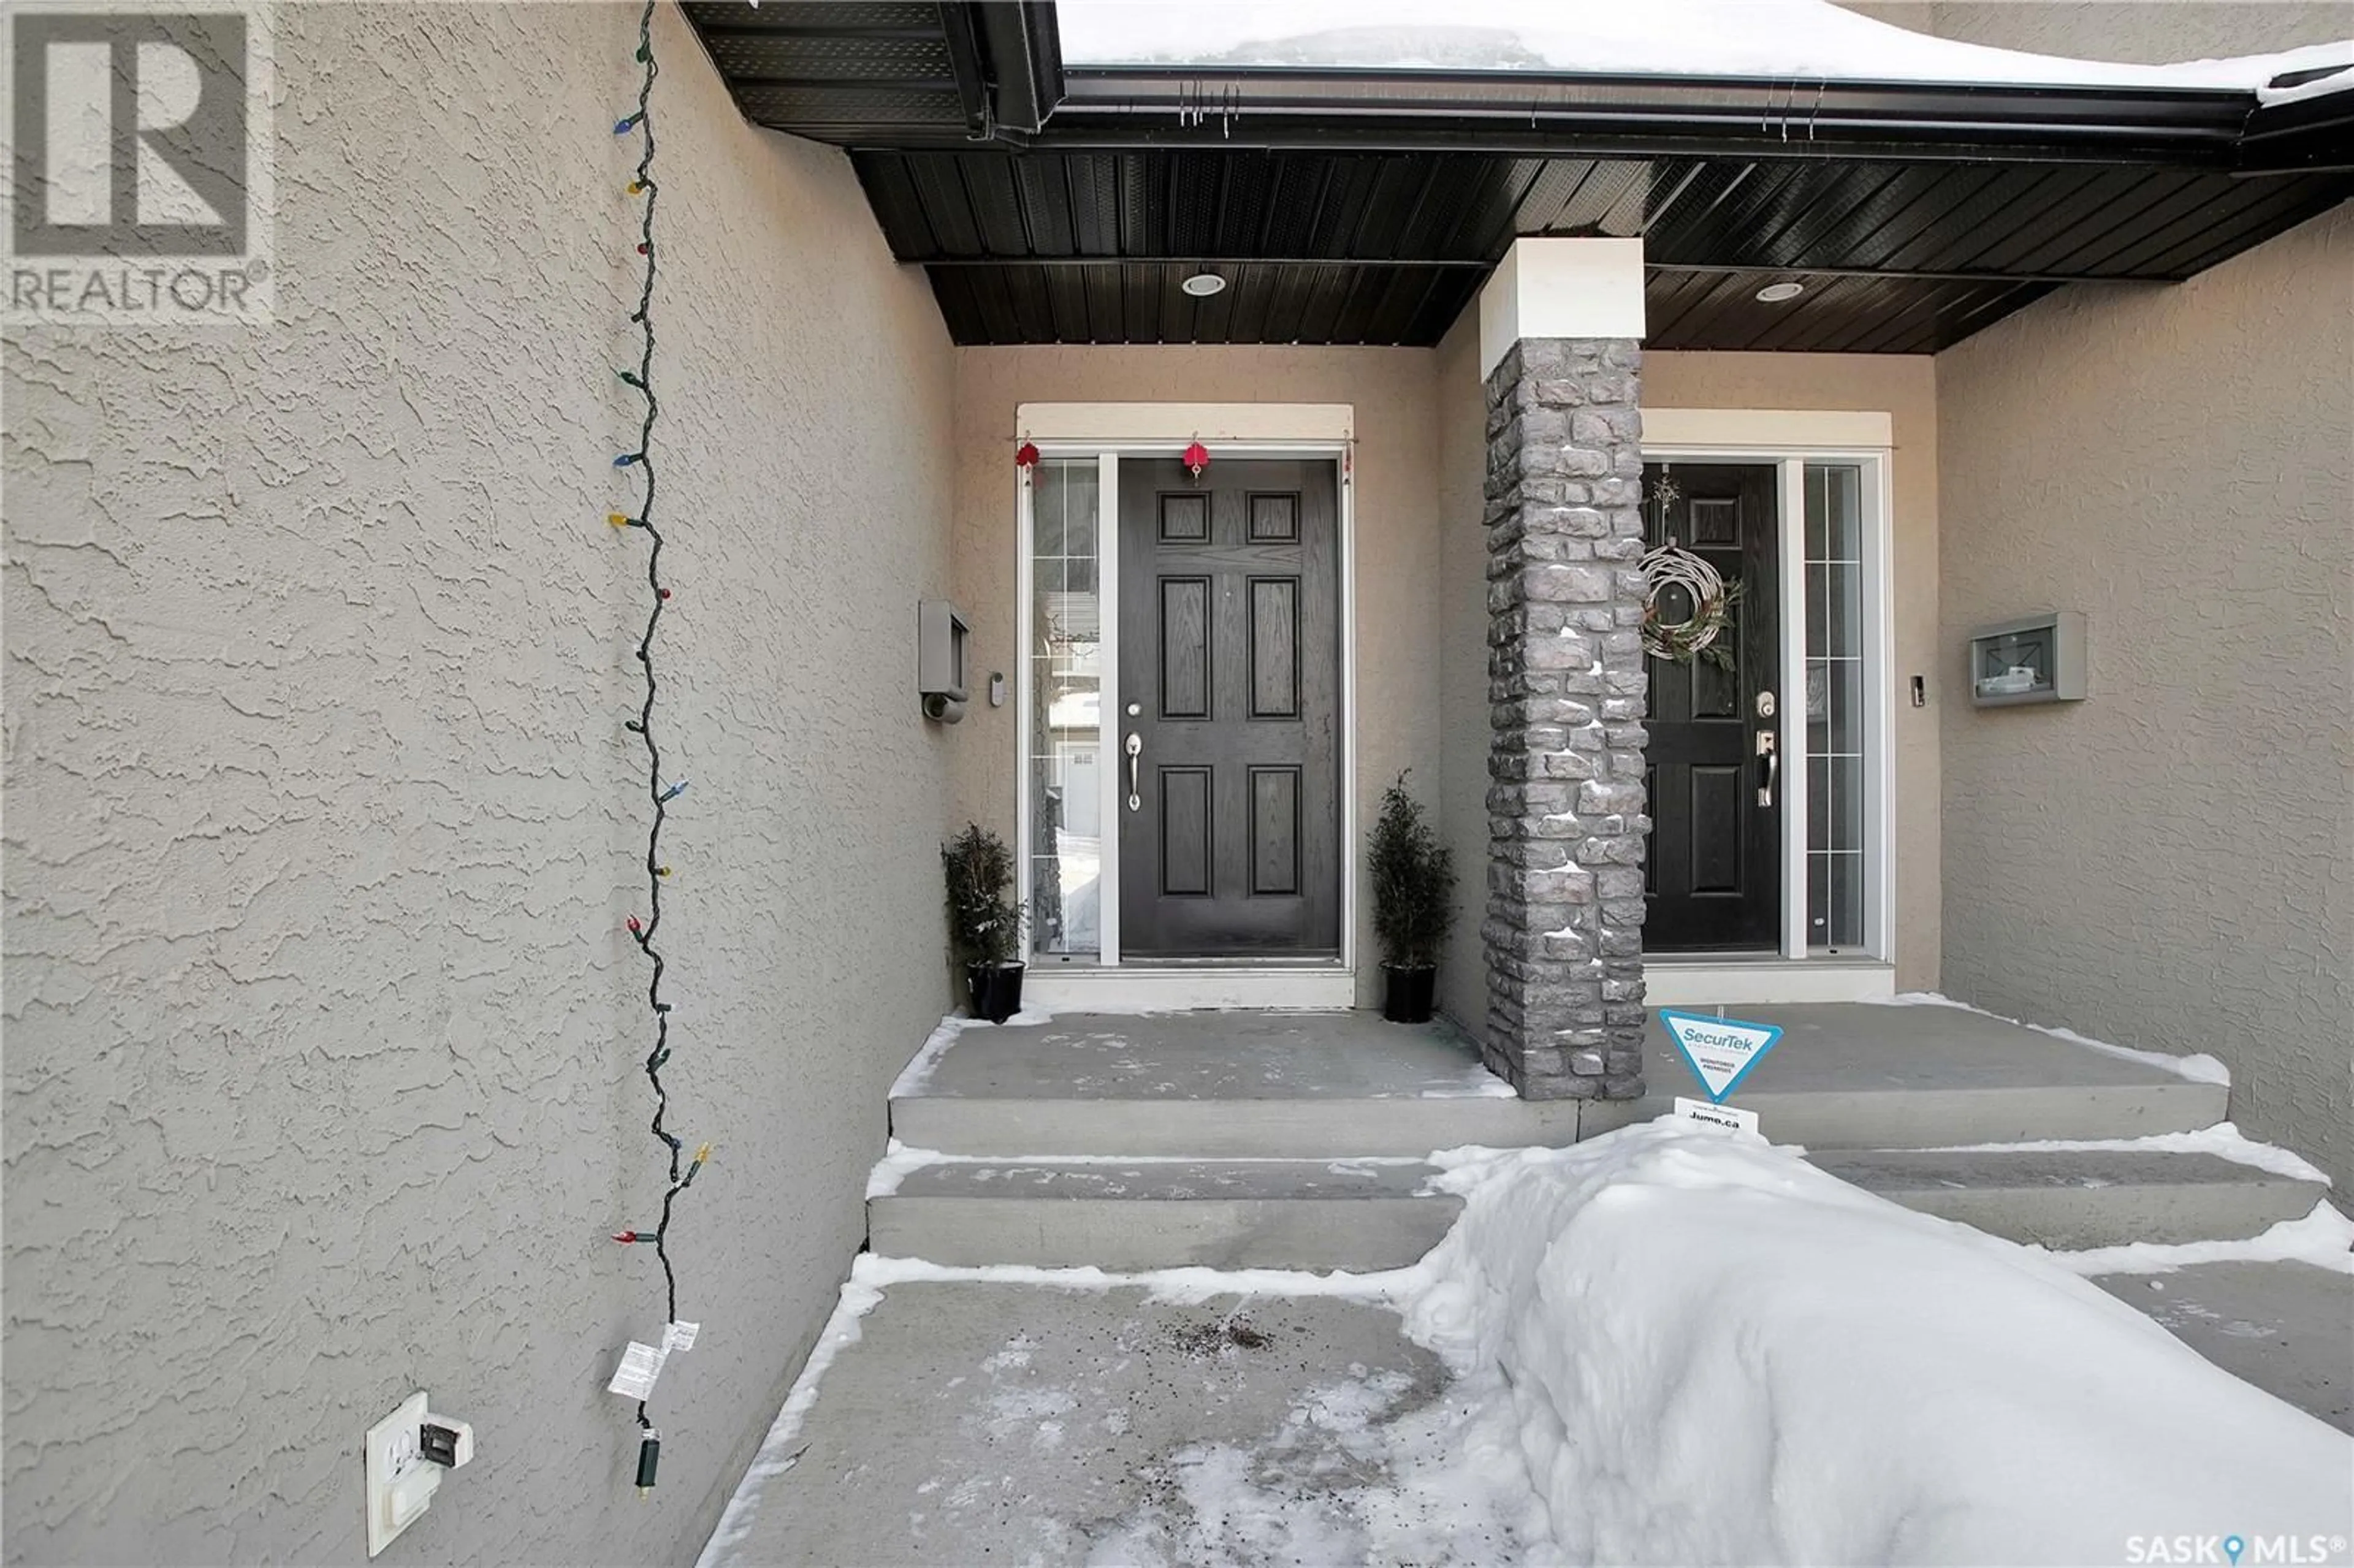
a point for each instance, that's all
(1713, 873)
(1228, 709)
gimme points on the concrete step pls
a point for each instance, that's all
(1368, 1215)
(1359, 1215)
(2074, 1199)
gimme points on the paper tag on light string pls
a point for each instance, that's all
(680, 1338)
(641, 1364)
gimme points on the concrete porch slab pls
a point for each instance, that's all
(1863, 1076)
(1225, 1086)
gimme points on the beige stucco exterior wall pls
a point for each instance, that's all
(1903, 387)
(1463, 662)
(1396, 536)
(322, 1030)
(2169, 864)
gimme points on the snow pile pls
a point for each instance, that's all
(1702, 1350)
(1809, 39)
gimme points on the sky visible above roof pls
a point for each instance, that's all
(1795, 39)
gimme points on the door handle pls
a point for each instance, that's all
(1135, 749)
(1769, 758)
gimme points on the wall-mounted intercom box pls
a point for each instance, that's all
(940, 632)
(2035, 659)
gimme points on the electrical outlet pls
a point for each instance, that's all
(401, 1480)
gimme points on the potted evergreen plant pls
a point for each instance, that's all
(1413, 904)
(984, 923)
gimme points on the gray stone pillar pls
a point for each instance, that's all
(1566, 687)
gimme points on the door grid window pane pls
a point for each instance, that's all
(1066, 675)
(1835, 716)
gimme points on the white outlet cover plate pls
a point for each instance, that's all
(392, 1458)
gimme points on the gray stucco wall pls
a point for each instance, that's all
(322, 1028)
(2147, 32)
(2170, 864)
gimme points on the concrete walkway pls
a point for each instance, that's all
(985, 1424)
(2288, 1328)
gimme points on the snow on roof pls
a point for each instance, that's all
(1809, 39)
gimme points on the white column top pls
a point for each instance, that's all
(1560, 288)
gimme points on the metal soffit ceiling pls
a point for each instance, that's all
(1064, 207)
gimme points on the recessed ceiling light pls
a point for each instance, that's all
(1775, 294)
(1201, 285)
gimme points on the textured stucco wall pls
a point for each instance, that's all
(2169, 864)
(1904, 387)
(1396, 531)
(322, 1030)
(2147, 32)
(1462, 418)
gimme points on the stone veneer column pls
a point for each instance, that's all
(1564, 935)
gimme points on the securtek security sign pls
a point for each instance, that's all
(1720, 1051)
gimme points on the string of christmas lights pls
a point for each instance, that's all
(681, 1174)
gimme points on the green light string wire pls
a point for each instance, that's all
(680, 1177)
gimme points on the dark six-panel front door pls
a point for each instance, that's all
(1228, 709)
(1715, 867)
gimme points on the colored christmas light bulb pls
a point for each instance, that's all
(674, 792)
(637, 928)
(626, 458)
(623, 126)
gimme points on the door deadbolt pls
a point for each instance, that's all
(1765, 705)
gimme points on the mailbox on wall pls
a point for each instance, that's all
(940, 630)
(2035, 659)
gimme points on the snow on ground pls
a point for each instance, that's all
(1676, 1343)
(1812, 39)
(2199, 1067)
(1705, 1350)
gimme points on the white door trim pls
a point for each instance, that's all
(1878, 610)
(1105, 432)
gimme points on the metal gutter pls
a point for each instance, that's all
(1535, 114)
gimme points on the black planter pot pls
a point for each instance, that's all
(1407, 990)
(996, 990)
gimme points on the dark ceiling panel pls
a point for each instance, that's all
(1908, 234)
(745, 56)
